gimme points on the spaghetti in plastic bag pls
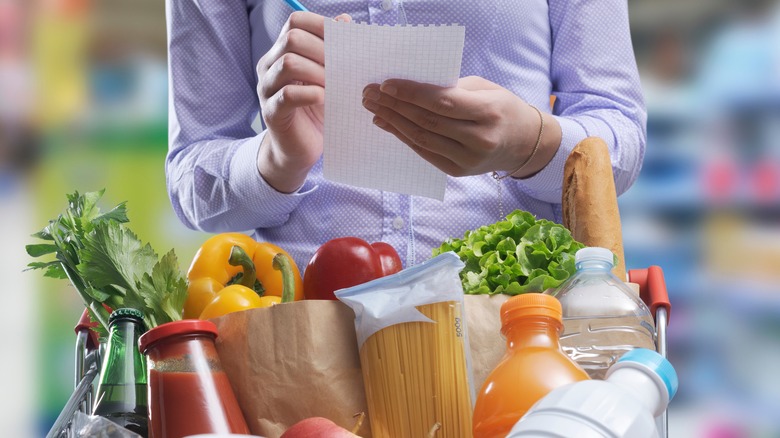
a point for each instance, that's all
(414, 350)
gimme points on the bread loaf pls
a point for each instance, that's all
(590, 207)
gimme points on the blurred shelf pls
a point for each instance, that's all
(743, 296)
(684, 195)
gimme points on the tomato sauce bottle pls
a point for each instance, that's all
(534, 364)
(189, 392)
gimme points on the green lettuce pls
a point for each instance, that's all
(514, 256)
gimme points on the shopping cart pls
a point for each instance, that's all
(652, 290)
(87, 361)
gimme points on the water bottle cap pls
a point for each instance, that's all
(655, 363)
(594, 253)
(530, 304)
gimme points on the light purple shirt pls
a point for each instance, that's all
(578, 50)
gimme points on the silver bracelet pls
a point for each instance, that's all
(498, 177)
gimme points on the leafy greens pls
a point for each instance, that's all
(107, 263)
(514, 256)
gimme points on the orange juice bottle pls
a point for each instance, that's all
(534, 364)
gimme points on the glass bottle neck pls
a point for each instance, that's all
(125, 325)
(124, 334)
(533, 332)
(123, 362)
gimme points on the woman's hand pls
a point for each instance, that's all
(291, 89)
(473, 128)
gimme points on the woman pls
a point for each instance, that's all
(231, 60)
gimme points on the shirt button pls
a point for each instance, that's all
(398, 223)
(387, 5)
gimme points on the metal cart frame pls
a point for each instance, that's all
(652, 290)
(87, 361)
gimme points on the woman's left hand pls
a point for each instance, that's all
(473, 128)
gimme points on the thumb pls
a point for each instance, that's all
(476, 83)
(346, 18)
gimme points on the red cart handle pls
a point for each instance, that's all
(86, 324)
(652, 288)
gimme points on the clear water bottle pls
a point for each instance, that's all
(603, 317)
(637, 389)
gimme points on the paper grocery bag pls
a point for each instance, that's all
(293, 361)
(483, 321)
(299, 360)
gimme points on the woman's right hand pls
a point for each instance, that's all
(291, 89)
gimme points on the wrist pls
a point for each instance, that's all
(551, 142)
(277, 169)
(532, 143)
(548, 147)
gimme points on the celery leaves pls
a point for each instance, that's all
(108, 264)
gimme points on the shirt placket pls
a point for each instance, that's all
(383, 11)
(395, 223)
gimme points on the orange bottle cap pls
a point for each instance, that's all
(530, 304)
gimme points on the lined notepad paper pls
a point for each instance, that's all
(357, 54)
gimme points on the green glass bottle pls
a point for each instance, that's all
(121, 395)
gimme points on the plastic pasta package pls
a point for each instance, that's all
(414, 350)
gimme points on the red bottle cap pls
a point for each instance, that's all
(185, 326)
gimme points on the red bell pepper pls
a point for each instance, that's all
(346, 262)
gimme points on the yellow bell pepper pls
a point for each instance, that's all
(239, 297)
(231, 299)
(230, 258)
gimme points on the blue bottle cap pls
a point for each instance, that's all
(656, 363)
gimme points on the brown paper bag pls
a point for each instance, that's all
(483, 322)
(293, 361)
(300, 360)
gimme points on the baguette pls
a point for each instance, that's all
(589, 202)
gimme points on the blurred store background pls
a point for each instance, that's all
(83, 107)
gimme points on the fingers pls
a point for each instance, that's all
(292, 74)
(476, 83)
(301, 41)
(283, 104)
(307, 21)
(290, 69)
(390, 108)
(303, 33)
(422, 127)
(442, 162)
(463, 130)
(292, 82)
(453, 102)
(435, 138)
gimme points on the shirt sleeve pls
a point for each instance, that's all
(211, 171)
(597, 88)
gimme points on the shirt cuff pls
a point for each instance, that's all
(546, 185)
(257, 195)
